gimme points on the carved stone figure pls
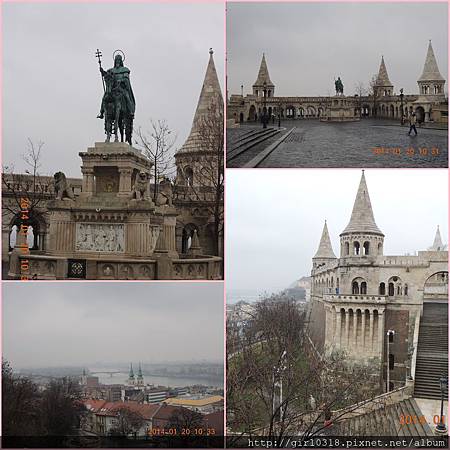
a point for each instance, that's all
(99, 237)
(339, 86)
(165, 193)
(140, 187)
(62, 188)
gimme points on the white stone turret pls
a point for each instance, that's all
(362, 237)
(263, 82)
(437, 246)
(200, 151)
(325, 252)
(431, 82)
(383, 85)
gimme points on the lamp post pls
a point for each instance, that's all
(401, 105)
(278, 373)
(279, 115)
(264, 115)
(440, 427)
(390, 336)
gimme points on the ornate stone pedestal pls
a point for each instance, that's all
(340, 109)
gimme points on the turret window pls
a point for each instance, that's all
(366, 248)
(347, 248)
(382, 289)
(363, 287)
(355, 288)
(391, 289)
(356, 248)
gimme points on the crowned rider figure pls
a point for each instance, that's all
(118, 79)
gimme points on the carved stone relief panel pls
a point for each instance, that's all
(100, 237)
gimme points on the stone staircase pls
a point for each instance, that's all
(399, 419)
(249, 140)
(432, 351)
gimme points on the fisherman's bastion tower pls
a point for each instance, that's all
(362, 295)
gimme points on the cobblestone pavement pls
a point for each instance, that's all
(368, 143)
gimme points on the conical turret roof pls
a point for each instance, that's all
(362, 220)
(140, 371)
(430, 69)
(383, 77)
(209, 108)
(131, 375)
(325, 249)
(437, 244)
(263, 74)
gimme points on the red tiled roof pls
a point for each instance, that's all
(104, 408)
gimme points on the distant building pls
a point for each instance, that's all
(201, 404)
(156, 395)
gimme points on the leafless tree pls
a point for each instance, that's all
(374, 93)
(128, 422)
(30, 188)
(361, 91)
(157, 145)
(274, 354)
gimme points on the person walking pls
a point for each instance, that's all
(412, 124)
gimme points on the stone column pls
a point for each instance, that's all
(337, 336)
(124, 182)
(371, 329)
(355, 326)
(363, 328)
(347, 323)
(380, 333)
(88, 181)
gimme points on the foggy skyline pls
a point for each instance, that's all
(274, 225)
(308, 45)
(52, 88)
(67, 324)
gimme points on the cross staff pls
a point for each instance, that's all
(98, 54)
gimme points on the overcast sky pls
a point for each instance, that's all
(274, 225)
(307, 45)
(52, 88)
(62, 324)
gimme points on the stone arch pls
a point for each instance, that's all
(310, 111)
(36, 230)
(301, 112)
(290, 112)
(366, 248)
(359, 284)
(186, 236)
(391, 111)
(356, 248)
(241, 117)
(436, 286)
(347, 248)
(252, 113)
(382, 289)
(420, 114)
(395, 286)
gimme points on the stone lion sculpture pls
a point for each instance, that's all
(165, 193)
(140, 187)
(62, 187)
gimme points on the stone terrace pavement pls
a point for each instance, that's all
(357, 144)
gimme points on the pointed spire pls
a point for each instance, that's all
(209, 107)
(430, 69)
(325, 249)
(131, 371)
(383, 77)
(140, 371)
(362, 219)
(263, 74)
(437, 244)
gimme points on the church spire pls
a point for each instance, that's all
(362, 219)
(430, 69)
(325, 249)
(383, 77)
(131, 375)
(209, 108)
(263, 74)
(437, 244)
